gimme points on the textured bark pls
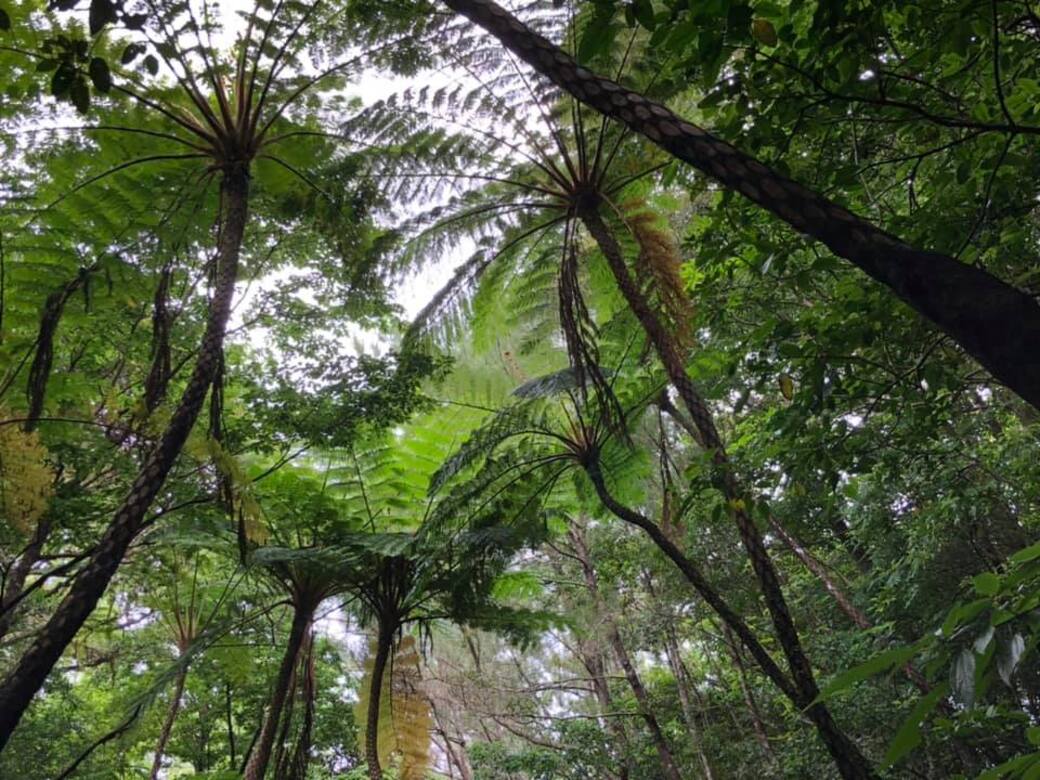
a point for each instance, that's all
(256, 766)
(302, 750)
(167, 727)
(847, 756)
(664, 752)
(19, 687)
(19, 572)
(996, 323)
(384, 643)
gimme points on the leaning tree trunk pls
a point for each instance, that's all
(384, 644)
(260, 756)
(664, 752)
(996, 323)
(167, 727)
(19, 687)
(847, 757)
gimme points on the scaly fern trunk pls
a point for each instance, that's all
(256, 766)
(384, 644)
(167, 727)
(847, 756)
(19, 687)
(996, 323)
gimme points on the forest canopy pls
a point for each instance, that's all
(554, 389)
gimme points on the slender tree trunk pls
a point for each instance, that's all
(664, 752)
(699, 582)
(593, 662)
(384, 644)
(847, 756)
(683, 684)
(230, 724)
(18, 689)
(19, 572)
(256, 766)
(167, 727)
(758, 725)
(996, 323)
(455, 760)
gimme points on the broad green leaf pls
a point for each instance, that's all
(909, 734)
(889, 659)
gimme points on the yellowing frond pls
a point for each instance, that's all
(26, 479)
(411, 712)
(245, 504)
(404, 713)
(661, 259)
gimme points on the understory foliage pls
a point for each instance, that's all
(445, 510)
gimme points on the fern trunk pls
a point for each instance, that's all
(28, 676)
(256, 766)
(167, 727)
(847, 756)
(384, 644)
(996, 323)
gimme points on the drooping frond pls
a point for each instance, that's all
(26, 478)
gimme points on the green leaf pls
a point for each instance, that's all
(962, 677)
(1010, 655)
(786, 386)
(1030, 553)
(79, 94)
(5, 20)
(102, 12)
(643, 11)
(764, 32)
(909, 735)
(151, 64)
(131, 52)
(100, 74)
(62, 80)
(897, 656)
(986, 584)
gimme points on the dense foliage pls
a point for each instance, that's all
(589, 389)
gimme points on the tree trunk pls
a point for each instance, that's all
(588, 651)
(664, 752)
(694, 576)
(757, 723)
(167, 727)
(996, 323)
(847, 756)
(19, 572)
(683, 684)
(302, 751)
(384, 644)
(18, 689)
(230, 724)
(256, 766)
